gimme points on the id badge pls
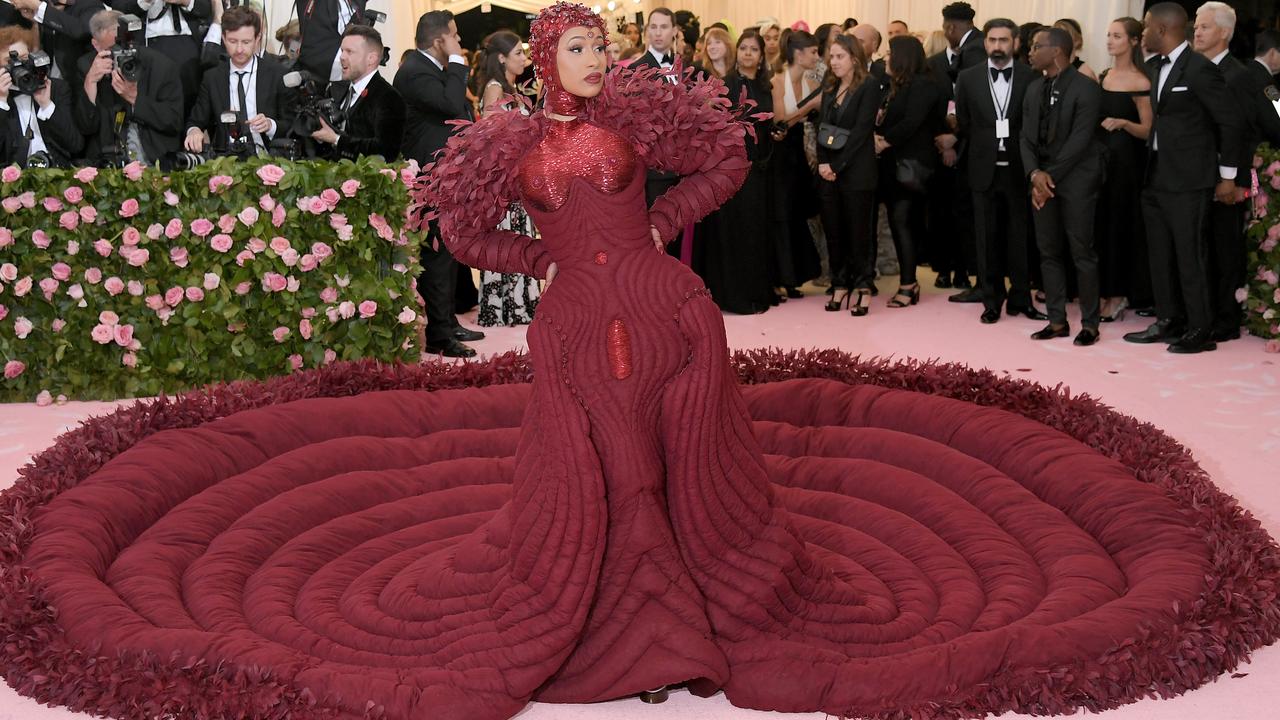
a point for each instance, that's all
(1002, 129)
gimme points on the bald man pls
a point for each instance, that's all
(869, 38)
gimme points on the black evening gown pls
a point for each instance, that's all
(793, 200)
(1120, 236)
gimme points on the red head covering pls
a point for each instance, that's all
(544, 37)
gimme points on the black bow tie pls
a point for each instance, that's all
(1162, 60)
(997, 72)
(662, 59)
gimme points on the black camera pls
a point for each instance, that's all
(239, 139)
(369, 18)
(124, 55)
(28, 75)
(182, 160)
(39, 159)
(313, 104)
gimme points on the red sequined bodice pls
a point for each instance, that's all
(572, 150)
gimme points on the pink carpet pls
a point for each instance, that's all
(1222, 405)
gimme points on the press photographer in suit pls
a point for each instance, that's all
(323, 24)
(372, 110)
(1063, 162)
(64, 29)
(38, 125)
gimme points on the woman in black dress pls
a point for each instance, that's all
(905, 128)
(1120, 238)
(793, 197)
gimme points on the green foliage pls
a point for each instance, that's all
(1262, 289)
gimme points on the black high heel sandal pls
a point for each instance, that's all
(834, 305)
(911, 295)
(864, 304)
(654, 697)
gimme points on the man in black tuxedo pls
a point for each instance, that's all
(41, 122)
(1195, 140)
(125, 120)
(64, 29)
(1261, 75)
(966, 48)
(433, 81)
(252, 87)
(661, 34)
(175, 29)
(373, 112)
(323, 24)
(1063, 161)
(989, 120)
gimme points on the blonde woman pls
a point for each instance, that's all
(1072, 27)
(935, 43)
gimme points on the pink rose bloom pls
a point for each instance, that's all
(164, 314)
(131, 236)
(201, 227)
(368, 309)
(173, 296)
(73, 194)
(330, 197)
(304, 329)
(108, 318)
(129, 360)
(377, 220)
(248, 216)
(278, 216)
(179, 256)
(139, 257)
(134, 288)
(222, 243)
(1269, 244)
(114, 286)
(22, 327)
(195, 294)
(89, 213)
(218, 182)
(1272, 346)
(333, 314)
(8, 272)
(293, 284)
(11, 204)
(173, 228)
(60, 270)
(23, 286)
(1241, 294)
(407, 177)
(329, 295)
(1275, 298)
(4, 312)
(52, 204)
(267, 203)
(11, 175)
(308, 312)
(1269, 277)
(13, 368)
(244, 288)
(337, 220)
(342, 280)
(295, 361)
(133, 170)
(227, 223)
(76, 292)
(154, 231)
(86, 174)
(289, 257)
(386, 233)
(274, 282)
(321, 250)
(317, 206)
(344, 232)
(388, 172)
(6, 237)
(280, 333)
(347, 309)
(330, 356)
(307, 262)
(400, 268)
(171, 198)
(256, 245)
(102, 334)
(73, 247)
(270, 174)
(49, 286)
(243, 257)
(69, 220)
(350, 188)
(124, 335)
(212, 281)
(58, 325)
(154, 302)
(279, 244)
(406, 316)
(102, 247)
(28, 199)
(44, 399)
(129, 208)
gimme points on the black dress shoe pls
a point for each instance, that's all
(794, 293)
(1158, 331)
(972, 295)
(451, 348)
(1225, 335)
(1031, 313)
(1049, 332)
(1196, 341)
(1145, 312)
(961, 282)
(1086, 337)
(466, 335)
(943, 282)
(990, 317)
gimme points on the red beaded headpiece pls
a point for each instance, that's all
(544, 38)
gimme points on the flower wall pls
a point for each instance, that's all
(1261, 293)
(129, 282)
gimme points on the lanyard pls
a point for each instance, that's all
(1002, 110)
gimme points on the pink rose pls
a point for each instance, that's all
(6, 237)
(347, 309)
(195, 294)
(102, 334)
(133, 171)
(52, 204)
(179, 256)
(330, 197)
(131, 236)
(154, 231)
(267, 203)
(86, 174)
(8, 272)
(330, 356)
(278, 216)
(76, 292)
(337, 220)
(11, 204)
(60, 270)
(129, 208)
(13, 368)
(73, 194)
(139, 257)
(124, 335)
(11, 175)
(289, 257)
(1272, 346)
(386, 233)
(244, 288)
(22, 327)
(28, 199)
(344, 232)
(218, 183)
(227, 223)
(333, 314)
(154, 302)
(89, 213)
(256, 245)
(293, 284)
(134, 288)
(308, 262)
(93, 276)
(4, 312)
(407, 316)
(270, 174)
(318, 206)
(129, 360)
(173, 296)
(308, 312)
(171, 198)
(44, 399)
(295, 361)
(69, 220)
(58, 325)
(201, 227)
(304, 329)
(329, 295)
(23, 286)
(248, 216)
(164, 314)
(243, 257)
(350, 188)
(274, 282)
(222, 243)
(377, 220)
(212, 281)
(173, 228)
(321, 250)
(342, 280)
(280, 333)
(279, 244)
(108, 318)
(102, 247)
(49, 286)
(1275, 297)
(114, 286)
(1268, 245)
(73, 247)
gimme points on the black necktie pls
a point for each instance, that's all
(1046, 107)
(1006, 72)
(177, 19)
(243, 113)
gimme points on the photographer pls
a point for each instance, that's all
(64, 29)
(175, 29)
(370, 110)
(252, 87)
(130, 103)
(38, 125)
(323, 24)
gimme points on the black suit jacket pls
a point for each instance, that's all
(1267, 121)
(64, 35)
(648, 60)
(1194, 129)
(158, 112)
(976, 115)
(1071, 149)
(318, 23)
(972, 52)
(913, 116)
(272, 98)
(856, 161)
(62, 139)
(432, 97)
(375, 124)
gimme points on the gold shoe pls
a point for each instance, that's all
(653, 697)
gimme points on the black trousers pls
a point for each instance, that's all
(846, 219)
(907, 213)
(1065, 224)
(1228, 264)
(1179, 254)
(951, 247)
(655, 185)
(438, 287)
(1000, 216)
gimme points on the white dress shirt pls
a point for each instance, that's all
(26, 109)
(951, 54)
(452, 59)
(1225, 172)
(1001, 98)
(160, 20)
(250, 96)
